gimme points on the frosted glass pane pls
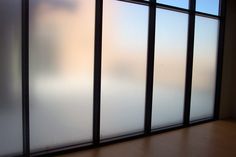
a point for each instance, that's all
(61, 72)
(208, 6)
(10, 80)
(176, 3)
(123, 68)
(204, 68)
(170, 66)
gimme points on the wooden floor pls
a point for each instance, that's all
(214, 139)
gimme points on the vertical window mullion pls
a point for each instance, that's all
(222, 8)
(150, 65)
(189, 69)
(97, 71)
(25, 76)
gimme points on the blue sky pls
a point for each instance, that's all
(210, 6)
(178, 3)
(207, 6)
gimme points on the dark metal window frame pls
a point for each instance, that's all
(152, 4)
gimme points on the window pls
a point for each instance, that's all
(10, 81)
(204, 68)
(176, 3)
(96, 71)
(170, 68)
(61, 72)
(208, 6)
(124, 56)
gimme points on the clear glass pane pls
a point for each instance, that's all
(10, 81)
(123, 68)
(204, 68)
(176, 3)
(170, 66)
(61, 72)
(208, 6)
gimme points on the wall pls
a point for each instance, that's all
(228, 96)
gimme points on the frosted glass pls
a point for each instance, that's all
(208, 6)
(61, 72)
(204, 68)
(169, 68)
(176, 3)
(123, 68)
(10, 80)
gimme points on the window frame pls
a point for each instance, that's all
(152, 4)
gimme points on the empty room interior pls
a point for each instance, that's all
(118, 78)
